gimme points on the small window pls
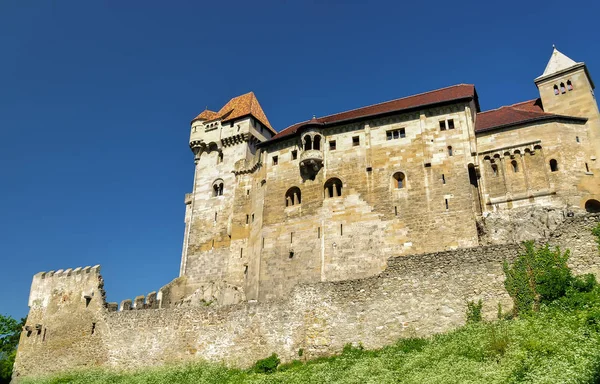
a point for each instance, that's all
(332, 145)
(515, 166)
(275, 160)
(220, 158)
(293, 197)
(402, 133)
(553, 165)
(231, 124)
(450, 151)
(443, 179)
(451, 124)
(562, 88)
(341, 229)
(447, 206)
(396, 134)
(253, 217)
(577, 139)
(355, 141)
(442, 125)
(294, 155)
(247, 219)
(569, 85)
(388, 135)
(291, 255)
(494, 170)
(396, 210)
(587, 168)
(333, 188)
(317, 143)
(556, 89)
(399, 180)
(218, 188)
(216, 217)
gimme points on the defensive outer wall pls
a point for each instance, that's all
(70, 326)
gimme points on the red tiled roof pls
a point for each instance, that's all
(237, 107)
(455, 92)
(520, 113)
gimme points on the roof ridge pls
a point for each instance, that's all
(513, 106)
(390, 101)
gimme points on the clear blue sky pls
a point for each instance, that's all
(96, 100)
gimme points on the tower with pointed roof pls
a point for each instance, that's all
(224, 144)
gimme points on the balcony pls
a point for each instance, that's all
(312, 158)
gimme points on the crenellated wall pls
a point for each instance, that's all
(416, 295)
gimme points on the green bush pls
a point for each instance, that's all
(584, 283)
(267, 365)
(540, 275)
(474, 311)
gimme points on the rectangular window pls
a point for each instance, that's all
(241, 252)
(451, 124)
(446, 204)
(253, 217)
(355, 141)
(294, 155)
(443, 179)
(442, 125)
(396, 134)
(247, 219)
(275, 160)
(341, 229)
(587, 168)
(402, 133)
(332, 145)
(577, 139)
(291, 237)
(318, 232)
(396, 210)
(388, 135)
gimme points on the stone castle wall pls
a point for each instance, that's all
(416, 295)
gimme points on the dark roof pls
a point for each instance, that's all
(517, 114)
(439, 96)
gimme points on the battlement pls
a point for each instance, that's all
(84, 280)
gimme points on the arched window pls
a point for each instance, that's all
(333, 188)
(562, 88)
(307, 143)
(553, 165)
(218, 188)
(220, 158)
(494, 169)
(399, 180)
(317, 143)
(450, 151)
(515, 166)
(293, 196)
(569, 85)
(555, 89)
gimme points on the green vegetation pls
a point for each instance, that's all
(474, 311)
(10, 331)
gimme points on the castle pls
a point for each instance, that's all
(286, 231)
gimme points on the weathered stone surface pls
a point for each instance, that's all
(415, 295)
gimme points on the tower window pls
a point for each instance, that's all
(443, 179)
(332, 145)
(562, 88)
(294, 155)
(218, 188)
(355, 141)
(307, 143)
(515, 166)
(569, 85)
(446, 204)
(399, 180)
(577, 139)
(553, 165)
(220, 158)
(317, 143)
(275, 160)
(450, 151)
(247, 219)
(555, 89)
(494, 170)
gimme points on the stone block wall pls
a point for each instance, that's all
(416, 295)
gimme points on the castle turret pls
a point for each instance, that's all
(223, 143)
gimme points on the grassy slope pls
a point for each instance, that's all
(561, 344)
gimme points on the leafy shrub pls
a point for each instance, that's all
(474, 311)
(540, 275)
(498, 340)
(412, 344)
(267, 365)
(584, 283)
